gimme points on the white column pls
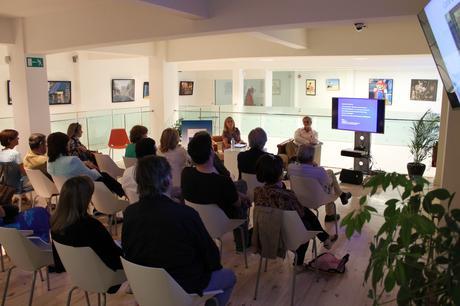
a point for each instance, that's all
(164, 91)
(268, 88)
(29, 92)
(238, 87)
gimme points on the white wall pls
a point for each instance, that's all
(203, 90)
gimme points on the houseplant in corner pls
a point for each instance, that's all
(425, 133)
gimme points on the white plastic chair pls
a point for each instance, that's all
(87, 271)
(294, 234)
(129, 161)
(312, 195)
(59, 181)
(43, 186)
(252, 182)
(107, 203)
(217, 223)
(154, 286)
(25, 255)
(106, 164)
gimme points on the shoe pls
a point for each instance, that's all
(344, 197)
(328, 243)
(212, 302)
(331, 218)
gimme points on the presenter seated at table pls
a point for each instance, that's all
(247, 160)
(306, 167)
(306, 135)
(230, 131)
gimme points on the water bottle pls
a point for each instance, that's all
(232, 143)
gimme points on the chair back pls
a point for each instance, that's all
(251, 180)
(59, 181)
(106, 164)
(129, 161)
(87, 270)
(118, 139)
(154, 286)
(293, 230)
(105, 201)
(309, 192)
(11, 175)
(22, 251)
(43, 186)
(214, 218)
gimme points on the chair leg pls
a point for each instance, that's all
(104, 299)
(266, 264)
(1, 259)
(293, 280)
(315, 252)
(335, 219)
(258, 278)
(243, 241)
(31, 297)
(41, 275)
(87, 298)
(98, 299)
(69, 296)
(47, 279)
(6, 285)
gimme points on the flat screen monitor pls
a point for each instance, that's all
(358, 114)
(190, 127)
(440, 21)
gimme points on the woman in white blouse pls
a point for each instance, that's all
(176, 155)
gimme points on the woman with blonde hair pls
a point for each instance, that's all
(230, 131)
(174, 153)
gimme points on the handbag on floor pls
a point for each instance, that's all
(327, 262)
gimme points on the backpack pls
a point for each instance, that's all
(327, 262)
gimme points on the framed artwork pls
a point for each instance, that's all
(423, 90)
(381, 89)
(123, 90)
(276, 87)
(310, 87)
(59, 92)
(8, 92)
(185, 88)
(332, 84)
(145, 90)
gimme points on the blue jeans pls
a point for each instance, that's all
(223, 279)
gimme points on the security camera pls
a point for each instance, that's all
(359, 26)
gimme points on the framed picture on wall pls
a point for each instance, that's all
(310, 87)
(8, 92)
(423, 90)
(381, 89)
(145, 90)
(123, 90)
(332, 84)
(185, 88)
(59, 92)
(276, 88)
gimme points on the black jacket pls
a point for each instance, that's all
(247, 161)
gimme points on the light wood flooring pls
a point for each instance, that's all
(347, 289)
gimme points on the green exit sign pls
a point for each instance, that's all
(36, 62)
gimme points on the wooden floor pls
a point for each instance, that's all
(324, 289)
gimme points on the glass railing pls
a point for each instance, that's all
(389, 151)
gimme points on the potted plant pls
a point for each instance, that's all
(425, 133)
(416, 251)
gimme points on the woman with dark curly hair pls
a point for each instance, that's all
(137, 133)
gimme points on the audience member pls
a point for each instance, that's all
(202, 184)
(159, 232)
(136, 133)
(60, 164)
(306, 135)
(144, 147)
(36, 158)
(72, 225)
(230, 132)
(175, 154)
(274, 194)
(76, 148)
(247, 160)
(305, 167)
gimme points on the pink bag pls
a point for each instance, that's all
(327, 262)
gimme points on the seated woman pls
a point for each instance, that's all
(175, 154)
(61, 164)
(230, 131)
(72, 225)
(76, 148)
(158, 232)
(137, 133)
(274, 194)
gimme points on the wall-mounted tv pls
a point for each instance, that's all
(358, 114)
(440, 21)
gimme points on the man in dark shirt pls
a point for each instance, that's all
(247, 160)
(159, 232)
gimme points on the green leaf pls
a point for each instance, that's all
(405, 232)
(362, 200)
(390, 281)
(370, 208)
(438, 210)
(423, 225)
(455, 214)
(406, 193)
(350, 229)
(440, 193)
(441, 260)
(370, 294)
(400, 273)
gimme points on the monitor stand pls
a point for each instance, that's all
(362, 143)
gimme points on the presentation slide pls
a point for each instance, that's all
(357, 115)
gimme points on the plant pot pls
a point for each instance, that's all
(415, 169)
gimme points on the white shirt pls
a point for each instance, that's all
(10, 155)
(178, 159)
(303, 137)
(129, 185)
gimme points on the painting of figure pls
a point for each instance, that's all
(381, 89)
